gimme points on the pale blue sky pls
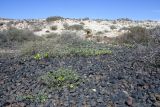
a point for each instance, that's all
(107, 9)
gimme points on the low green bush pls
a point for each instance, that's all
(54, 18)
(99, 33)
(37, 29)
(54, 27)
(39, 98)
(52, 35)
(113, 27)
(74, 27)
(61, 78)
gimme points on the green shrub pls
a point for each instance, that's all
(124, 28)
(10, 23)
(61, 78)
(37, 56)
(54, 18)
(85, 19)
(74, 27)
(68, 37)
(66, 25)
(99, 33)
(128, 45)
(39, 98)
(54, 27)
(52, 35)
(36, 29)
(82, 23)
(113, 27)
(114, 22)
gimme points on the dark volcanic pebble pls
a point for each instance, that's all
(125, 78)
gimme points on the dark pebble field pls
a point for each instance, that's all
(129, 77)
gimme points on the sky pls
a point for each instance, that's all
(95, 9)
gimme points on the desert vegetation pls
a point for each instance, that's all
(67, 44)
(113, 27)
(73, 27)
(54, 18)
(53, 27)
(139, 35)
(61, 78)
(76, 65)
(17, 35)
(12, 36)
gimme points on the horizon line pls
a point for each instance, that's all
(80, 18)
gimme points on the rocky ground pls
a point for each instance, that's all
(127, 78)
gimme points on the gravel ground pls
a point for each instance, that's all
(130, 77)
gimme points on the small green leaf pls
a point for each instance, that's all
(37, 56)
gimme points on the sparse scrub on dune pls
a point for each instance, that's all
(73, 27)
(155, 34)
(135, 35)
(99, 33)
(10, 23)
(106, 31)
(65, 25)
(113, 27)
(68, 37)
(98, 20)
(36, 29)
(82, 23)
(85, 19)
(124, 19)
(67, 44)
(54, 18)
(16, 35)
(51, 36)
(114, 22)
(56, 45)
(123, 28)
(99, 38)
